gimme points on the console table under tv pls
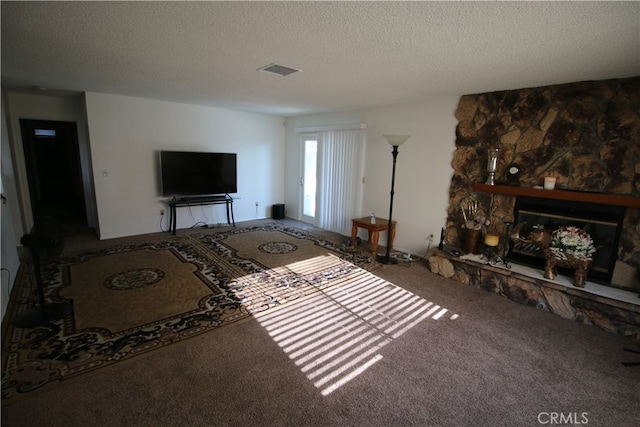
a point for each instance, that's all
(200, 201)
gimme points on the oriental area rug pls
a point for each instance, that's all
(130, 300)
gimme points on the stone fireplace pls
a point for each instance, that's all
(587, 136)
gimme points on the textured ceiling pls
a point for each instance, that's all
(352, 54)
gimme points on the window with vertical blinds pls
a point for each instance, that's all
(340, 172)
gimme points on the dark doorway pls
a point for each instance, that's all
(52, 160)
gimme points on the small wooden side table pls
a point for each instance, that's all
(374, 231)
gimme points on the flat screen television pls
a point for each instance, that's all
(186, 173)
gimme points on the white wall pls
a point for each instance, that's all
(125, 134)
(423, 170)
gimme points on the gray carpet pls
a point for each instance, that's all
(485, 362)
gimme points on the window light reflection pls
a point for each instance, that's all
(336, 332)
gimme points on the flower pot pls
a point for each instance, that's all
(472, 243)
(566, 260)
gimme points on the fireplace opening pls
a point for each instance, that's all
(602, 222)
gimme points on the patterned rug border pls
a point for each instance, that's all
(58, 353)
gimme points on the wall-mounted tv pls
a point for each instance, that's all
(186, 173)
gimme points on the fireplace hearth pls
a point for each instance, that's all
(614, 310)
(603, 223)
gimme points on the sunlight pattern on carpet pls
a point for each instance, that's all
(335, 335)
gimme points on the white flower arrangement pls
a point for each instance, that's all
(572, 240)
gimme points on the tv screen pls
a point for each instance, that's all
(185, 173)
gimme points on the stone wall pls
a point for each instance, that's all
(586, 134)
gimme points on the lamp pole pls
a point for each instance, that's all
(395, 141)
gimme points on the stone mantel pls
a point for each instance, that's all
(572, 196)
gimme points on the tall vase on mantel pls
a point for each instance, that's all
(473, 238)
(492, 165)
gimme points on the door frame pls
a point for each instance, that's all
(27, 128)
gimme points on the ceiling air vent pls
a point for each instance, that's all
(278, 69)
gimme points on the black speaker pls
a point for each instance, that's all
(277, 211)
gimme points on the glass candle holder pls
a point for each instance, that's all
(549, 182)
(492, 165)
(492, 240)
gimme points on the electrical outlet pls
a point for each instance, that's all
(161, 212)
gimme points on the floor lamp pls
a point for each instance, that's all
(395, 141)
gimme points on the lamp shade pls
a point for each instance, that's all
(396, 140)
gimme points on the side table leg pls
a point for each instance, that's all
(354, 235)
(393, 235)
(374, 242)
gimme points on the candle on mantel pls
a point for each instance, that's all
(491, 240)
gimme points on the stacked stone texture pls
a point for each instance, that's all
(589, 309)
(587, 134)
